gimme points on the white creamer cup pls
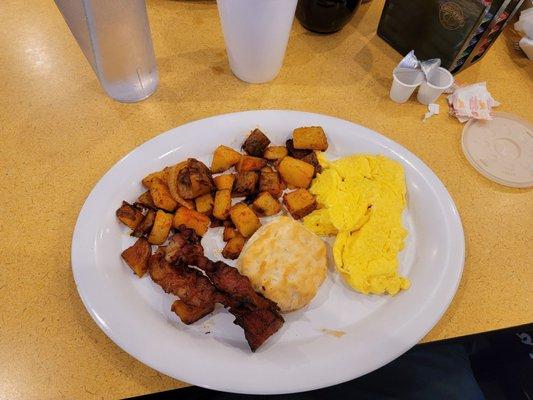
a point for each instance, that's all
(438, 82)
(256, 33)
(404, 83)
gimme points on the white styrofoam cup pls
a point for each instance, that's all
(256, 33)
(404, 83)
(430, 90)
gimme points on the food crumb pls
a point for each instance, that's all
(332, 332)
(207, 325)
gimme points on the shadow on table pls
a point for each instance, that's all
(493, 366)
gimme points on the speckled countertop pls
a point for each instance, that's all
(59, 134)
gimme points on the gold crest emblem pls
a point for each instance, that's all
(451, 16)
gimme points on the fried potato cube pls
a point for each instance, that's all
(129, 215)
(189, 314)
(244, 219)
(229, 233)
(296, 153)
(256, 143)
(296, 172)
(245, 184)
(311, 137)
(265, 204)
(222, 204)
(137, 256)
(161, 227)
(145, 226)
(194, 180)
(145, 200)
(224, 158)
(267, 169)
(147, 180)
(274, 153)
(204, 204)
(161, 195)
(200, 185)
(224, 181)
(191, 219)
(249, 163)
(270, 182)
(300, 203)
(233, 248)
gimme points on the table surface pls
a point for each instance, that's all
(60, 133)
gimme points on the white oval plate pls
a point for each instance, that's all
(341, 335)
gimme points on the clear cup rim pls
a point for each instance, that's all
(447, 73)
(408, 85)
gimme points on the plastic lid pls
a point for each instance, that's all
(501, 149)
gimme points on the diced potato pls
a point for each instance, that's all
(189, 314)
(222, 204)
(224, 181)
(224, 158)
(161, 195)
(296, 172)
(215, 223)
(145, 200)
(300, 203)
(267, 169)
(265, 204)
(137, 256)
(129, 215)
(270, 182)
(283, 184)
(249, 163)
(274, 153)
(245, 184)
(229, 233)
(200, 185)
(161, 228)
(145, 226)
(244, 219)
(147, 180)
(256, 143)
(312, 137)
(233, 248)
(172, 182)
(191, 219)
(204, 204)
(296, 153)
(194, 180)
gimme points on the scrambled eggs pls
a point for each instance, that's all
(362, 198)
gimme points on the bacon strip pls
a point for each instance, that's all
(258, 316)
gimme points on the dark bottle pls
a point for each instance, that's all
(325, 16)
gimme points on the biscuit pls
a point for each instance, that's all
(285, 262)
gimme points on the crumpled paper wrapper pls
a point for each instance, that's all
(472, 102)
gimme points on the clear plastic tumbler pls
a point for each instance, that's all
(115, 37)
